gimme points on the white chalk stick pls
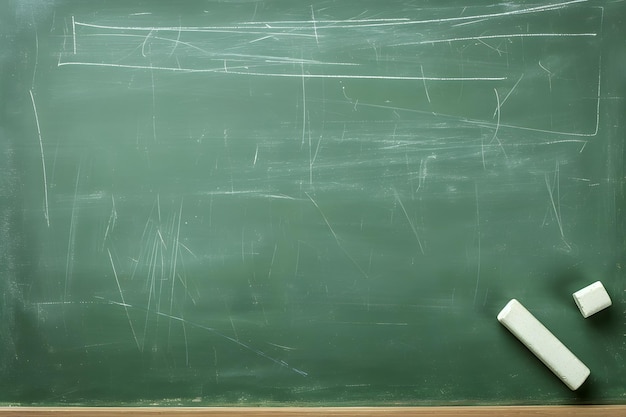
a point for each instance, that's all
(543, 344)
(592, 299)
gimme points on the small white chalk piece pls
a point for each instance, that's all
(592, 299)
(543, 344)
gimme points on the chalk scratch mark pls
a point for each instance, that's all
(43, 160)
(154, 126)
(503, 36)
(507, 96)
(314, 25)
(269, 272)
(287, 348)
(32, 85)
(124, 304)
(303, 105)
(256, 155)
(495, 133)
(143, 45)
(556, 202)
(111, 222)
(482, 151)
(599, 91)
(531, 129)
(346, 24)
(478, 234)
(74, 33)
(262, 38)
(220, 55)
(175, 250)
(323, 217)
(220, 70)
(151, 277)
(69, 261)
(177, 41)
(212, 330)
(408, 218)
(337, 240)
(186, 344)
(424, 80)
(499, 52)
(204, 29)
(423, 171)
(550, 75)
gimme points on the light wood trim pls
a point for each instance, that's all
(500, 411)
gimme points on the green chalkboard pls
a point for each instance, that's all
(308, 203)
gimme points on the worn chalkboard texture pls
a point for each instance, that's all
(308, 203)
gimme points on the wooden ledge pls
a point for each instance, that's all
(500, 411)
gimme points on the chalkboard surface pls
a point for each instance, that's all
(308, 203)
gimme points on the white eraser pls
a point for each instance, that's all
(543, 344)
(592, 299)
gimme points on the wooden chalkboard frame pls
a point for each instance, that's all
(449, 411)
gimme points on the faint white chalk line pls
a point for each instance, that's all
(207, 29)
(556, 202)
(495, 133)
(275, 22)
(556, 132)
(550, 75)
(71, 239)
(332, 231)
(74, 33)
(303, 105)
(221, 70)
(43, 160)
(424, 80)
(213, 331)
(117, 281)
(406, 214)
(143, 44)
(502, 36)
(479, 242)
(32, 85)
(177, 41)
(314, 25)
(507, 96)
(343, 24)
